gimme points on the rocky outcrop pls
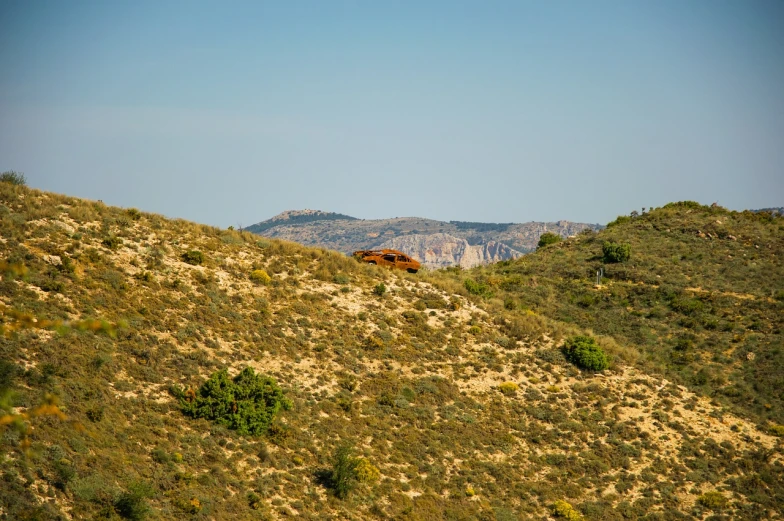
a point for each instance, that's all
(489, 242)
(440, 250)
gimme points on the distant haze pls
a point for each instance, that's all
(229, 113)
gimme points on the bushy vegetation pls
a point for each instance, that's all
(194, 257)
(548, 238)
(132, 503)
(13, 178)
(247, 403)
(563, 510)
(616, 252)
(260, 277)
(585, 353)
(434, 436)
(349, 471)
(713, 500)
(673, 307)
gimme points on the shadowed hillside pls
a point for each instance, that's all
(199, 373)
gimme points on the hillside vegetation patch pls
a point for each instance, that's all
(247, 403)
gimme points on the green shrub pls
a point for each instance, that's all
(508, 388)
(365, 471)
(132, 504)
(622, 219)
(584, 352)
(478, 288)
(713, 500)
(247, 403)
(343, 478)
(564, 510)
(112, 242)
(547, 239)
(380, 289)
(14, 178)
(260, 277)
(348, 471)
(194, 257)
(616, 252)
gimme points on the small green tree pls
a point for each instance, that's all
(548, 238)
(584, 352)
(344, 471)
(247, 403)
(348, 471)
(616, 252)
(14, 178)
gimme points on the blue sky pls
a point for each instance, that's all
(227, 113)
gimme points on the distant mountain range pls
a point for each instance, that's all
(775, 211)
(436, 243)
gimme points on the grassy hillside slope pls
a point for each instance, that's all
(444, 409)
(701, 299)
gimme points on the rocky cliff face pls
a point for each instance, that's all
(441, 250)
(462, 243)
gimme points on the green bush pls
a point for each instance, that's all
(584, 352)
(548, 238)
(622, 219)
(616, 252)
(247, 403)
(14, 178)
(478, 288)
(564, 510)
(112, 242)
(194, 257)
(348, 471)
(380, 289)
(713, 500)
(260, 277)
(132, 504)
(343, 478)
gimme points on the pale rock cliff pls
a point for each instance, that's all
(440, 250)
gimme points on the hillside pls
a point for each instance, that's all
(348, 234)
(701, 298)
(437, 404)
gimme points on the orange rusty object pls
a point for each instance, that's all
(389, 258)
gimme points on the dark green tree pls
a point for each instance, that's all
(585, 353)
(344, 471)
(616, 252)
(548, 238)
(247, 403)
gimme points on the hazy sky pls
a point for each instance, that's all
(230, 112)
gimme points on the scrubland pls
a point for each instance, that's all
(388, 395)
